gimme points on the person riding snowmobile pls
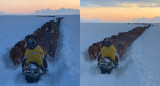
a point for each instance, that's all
(108, 50)
(34, 53)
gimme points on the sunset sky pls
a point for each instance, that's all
(29, 6)
(119, 10)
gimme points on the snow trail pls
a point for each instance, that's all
(144, 53)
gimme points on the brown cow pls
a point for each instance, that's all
(39, 31)
(90, 52)
(21, 45)
(99, 46)
(16, 55)
(56, 35)
(93, 52)
(55, 28)
(59, 20)
(52, 49)
(46, 25)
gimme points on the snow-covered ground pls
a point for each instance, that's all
(64, 70)
(140, 65)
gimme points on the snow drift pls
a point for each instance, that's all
(139, 67)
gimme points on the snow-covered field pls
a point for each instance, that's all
(64, 70)
(140, 65)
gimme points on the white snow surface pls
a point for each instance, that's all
(140, 65)
(64, 70)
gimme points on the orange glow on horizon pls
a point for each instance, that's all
(29, 6)
(119, 14)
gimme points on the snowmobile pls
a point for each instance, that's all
(32, 72)
(106, 65)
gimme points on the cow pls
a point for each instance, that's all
(52, 49)
(16, 55)
(93, 52)
(22, 45)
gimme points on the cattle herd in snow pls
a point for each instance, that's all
(46, 37)
(121, 42)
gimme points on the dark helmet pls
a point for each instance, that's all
(31, 43)
(107, 43)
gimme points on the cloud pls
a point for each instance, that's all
(146, 20)
(62, 11)
(120, 3)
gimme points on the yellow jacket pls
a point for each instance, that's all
(35, 55)
(108, 52)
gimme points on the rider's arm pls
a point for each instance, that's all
(41, 51)
(26, 53)
(115, 52)
(102, 50)
(114, 49)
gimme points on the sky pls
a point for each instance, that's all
(119, 10)
(29, 6)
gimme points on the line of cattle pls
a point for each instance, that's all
(46, 37)
(121, 42)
